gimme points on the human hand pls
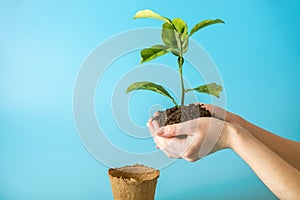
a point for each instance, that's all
(192, 139)
(220, 113)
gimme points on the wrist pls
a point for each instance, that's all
(228, 132)
(225, 135)
(234, 119)
(236, 135)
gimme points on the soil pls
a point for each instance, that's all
(134, 173)
(180, 114)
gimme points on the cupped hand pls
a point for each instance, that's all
(184, 140)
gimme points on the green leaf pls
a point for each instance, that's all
(145, 85)
(180, 25)
(168, 36)
(212, 89)
(153, 52)
(185, 43)
(150, 14)
(205, 23)
(175, 36)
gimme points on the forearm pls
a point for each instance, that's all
(287, 149)
(280, 177)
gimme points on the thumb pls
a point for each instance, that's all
(185, 128)
(170, 131)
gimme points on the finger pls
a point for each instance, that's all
(216, 111)
(169, 131)
(169, 146)
(208, 107)
(156, 114)
(153, 132)
(150, 127)
(160, 132)
(199, 103)
(155, 125)
(184, 128)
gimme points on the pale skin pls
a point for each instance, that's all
(274, 159)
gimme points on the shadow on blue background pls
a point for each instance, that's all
(42, 45)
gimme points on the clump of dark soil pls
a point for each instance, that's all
(180, 114)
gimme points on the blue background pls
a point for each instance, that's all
(42, 45)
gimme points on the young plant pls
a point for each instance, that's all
(175, 37)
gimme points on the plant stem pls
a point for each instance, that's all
(175, 103)
(180, 63)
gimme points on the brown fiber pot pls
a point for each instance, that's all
(136, 182)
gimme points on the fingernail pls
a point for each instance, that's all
(160, 132)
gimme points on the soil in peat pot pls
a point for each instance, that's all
(180, 114)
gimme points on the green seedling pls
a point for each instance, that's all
(175, 37)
